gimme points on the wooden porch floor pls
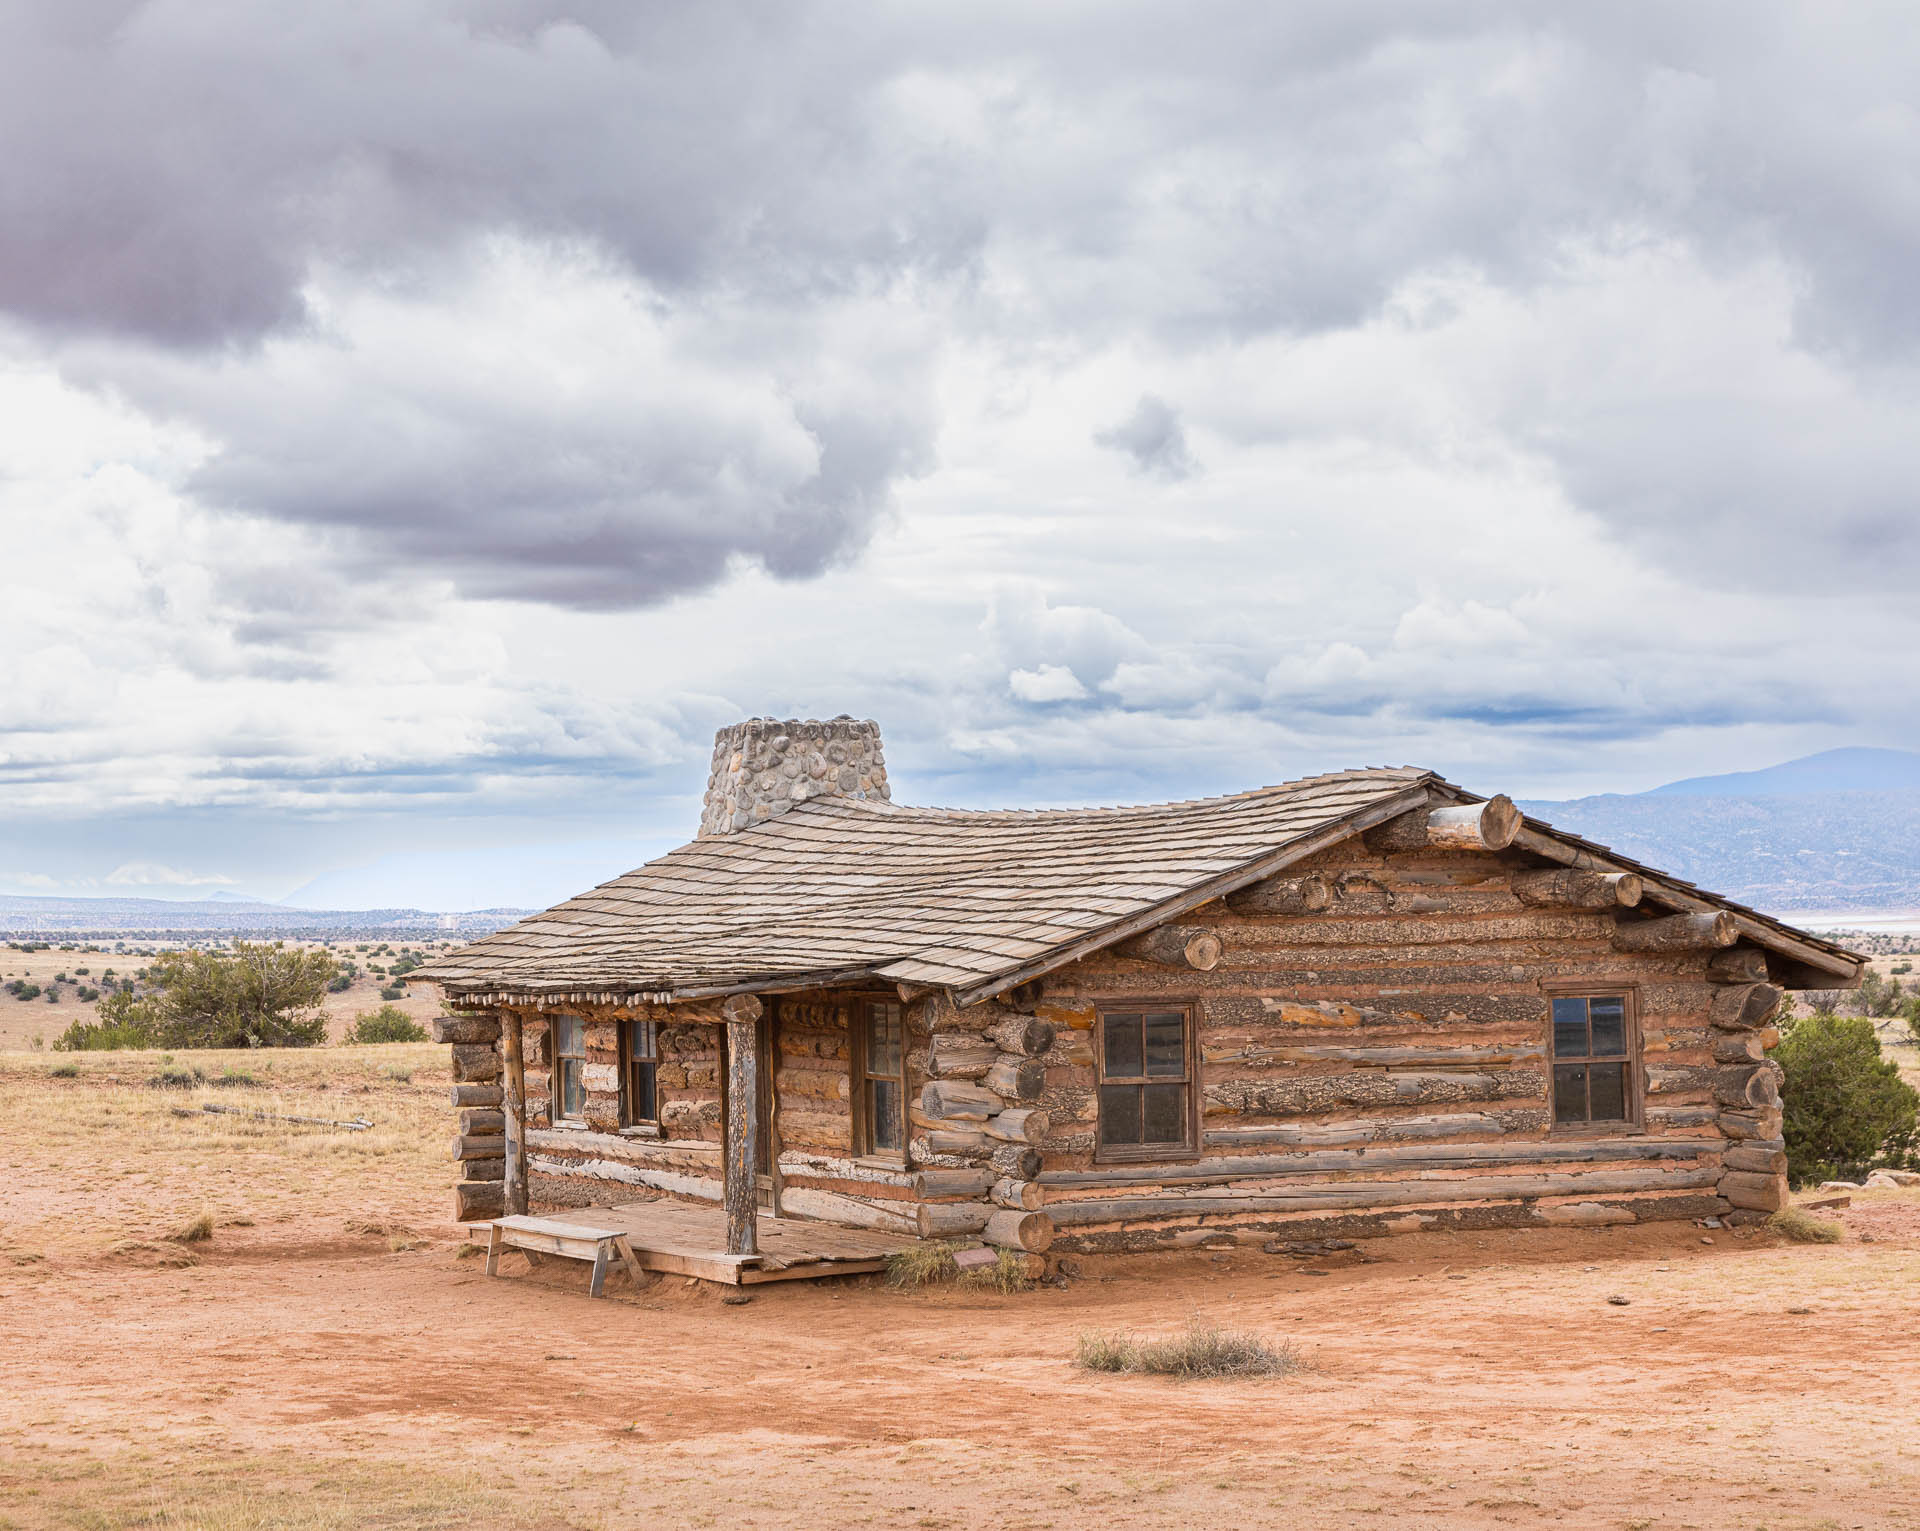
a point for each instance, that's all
(686, 1239)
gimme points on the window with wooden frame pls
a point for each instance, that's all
(639, 1074)
(1593, 1057)
(880, 1066)
(1149, 1108)
(569, 1035)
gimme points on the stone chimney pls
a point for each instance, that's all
(762, 767)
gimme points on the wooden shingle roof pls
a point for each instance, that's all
(968, 900)
(838, 890)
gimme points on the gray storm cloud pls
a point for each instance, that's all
(803, 201)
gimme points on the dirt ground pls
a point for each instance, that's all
(23, 1020)
(330, 1358)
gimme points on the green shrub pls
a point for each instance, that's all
(253, 995)
(65, 1071)
(387, 1024)
(103, 1036)
(173, 1077)
(1845, 1106)
(393, 991)
(339, 984)
(1202, 1350)
(22, 990)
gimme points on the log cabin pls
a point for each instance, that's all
(1357, 1004)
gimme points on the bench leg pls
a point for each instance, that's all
(601, 1255)
(627, 1258)
(493, 1250)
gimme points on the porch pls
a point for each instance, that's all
(687, 1239)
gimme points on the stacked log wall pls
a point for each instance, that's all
(1372, 1055)
(1383, 1064)
(479, 1142)
(597, 1159)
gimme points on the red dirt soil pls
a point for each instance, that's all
(320, 1364)
(1456, 1380)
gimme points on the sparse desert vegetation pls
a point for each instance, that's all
(56, 1006)
(242, 1322)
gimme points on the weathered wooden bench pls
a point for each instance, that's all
(570, 1241)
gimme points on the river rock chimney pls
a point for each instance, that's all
(764, 766)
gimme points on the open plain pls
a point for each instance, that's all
(333, 1357)
(58, 972)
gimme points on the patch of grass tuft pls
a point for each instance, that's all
(1802, 1227)
(174, 1077)
(1201, 1350)
(1098, 1351)
(65, 1071)
(1005, 1275)
(922, 1264)
(196, 1231)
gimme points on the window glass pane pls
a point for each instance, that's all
(1165, 1113)
(1570, 1028)
(1166, 1045)
(883, 1039)
(1608, 1082)
(640, 1094)
(573, 1093)
(1609, 1026)
(886, 1113)
(640, 1041)
(1123, 1045)
(567, 1039)
(1569, 1092)
(1119, 1113)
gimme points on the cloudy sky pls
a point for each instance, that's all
(422, 423)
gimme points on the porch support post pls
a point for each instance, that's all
(513, 1097)
(742, 1015)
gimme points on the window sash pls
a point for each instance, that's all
(1145, 1084)
(640, 1074)
(1591, 1078)
(569, 1040)
(880, 1055)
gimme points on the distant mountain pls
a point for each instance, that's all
(1849, 770)
(1835, 831)
(227, 917)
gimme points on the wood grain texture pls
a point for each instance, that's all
(742, 1135)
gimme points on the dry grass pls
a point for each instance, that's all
(272, 1493)
(1802, 1227)
(152, 1159)
(922, 1264)
(925, 1264)
(194, 1231)
(1005, 1275)
(1200, 1350)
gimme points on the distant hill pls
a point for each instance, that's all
(1850, 770)
(119, 917)
(1835, 831)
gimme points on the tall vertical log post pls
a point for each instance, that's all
(513, 1097)
(742, 1015)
